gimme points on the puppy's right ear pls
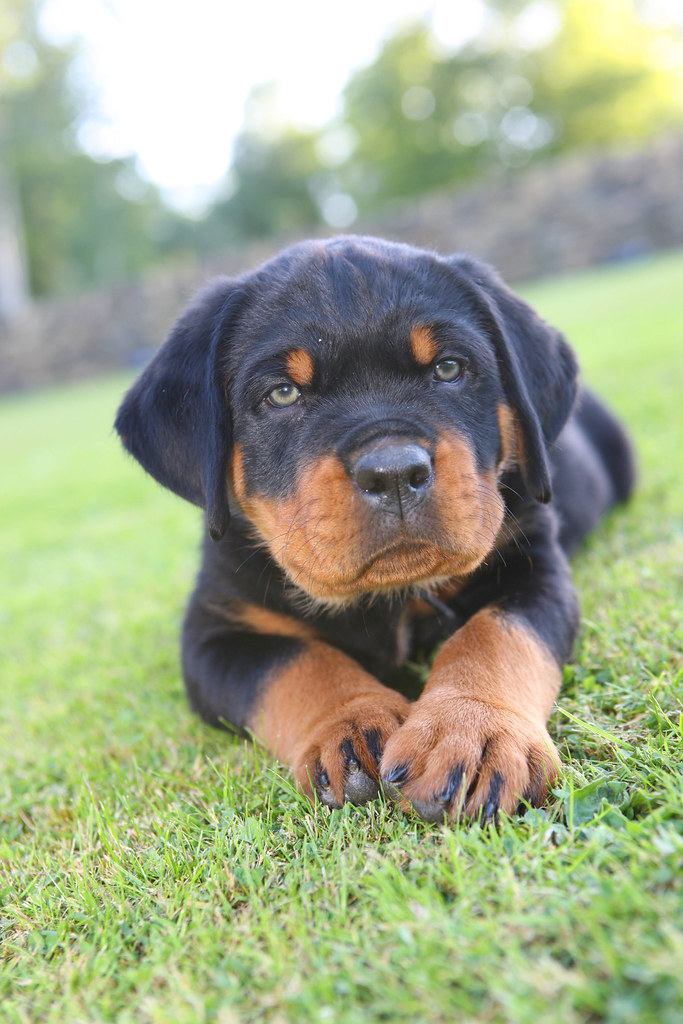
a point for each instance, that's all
(175, 419)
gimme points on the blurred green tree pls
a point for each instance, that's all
(269, 185)
(13, 268)
(538, 78)
(541, 77)
(611, 74)
(81, 221)
(270, 171)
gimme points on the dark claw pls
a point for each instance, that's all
(325, 794)
(399, 773)
(453, 784)
(352, 768)
(373, 741)
(490, 812)
(436, 808)
(346, 747)
(392, 780)
(494, 789)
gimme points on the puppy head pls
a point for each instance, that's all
(359, 401)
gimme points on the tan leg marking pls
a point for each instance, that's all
(475, 742)
(499, 661)
(322, 709)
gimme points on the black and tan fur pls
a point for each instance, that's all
(376, 434)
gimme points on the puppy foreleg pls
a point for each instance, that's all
(476, 741)
(315, 708)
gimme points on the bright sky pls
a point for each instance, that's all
(171, 78)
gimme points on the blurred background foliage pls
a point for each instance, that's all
(542, 77)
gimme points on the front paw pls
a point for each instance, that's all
(462, 758)
(338, 759)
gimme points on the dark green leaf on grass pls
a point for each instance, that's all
(593, 801)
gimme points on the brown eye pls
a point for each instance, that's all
(448, 370)
(284, 395)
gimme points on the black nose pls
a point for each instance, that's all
(394, 475)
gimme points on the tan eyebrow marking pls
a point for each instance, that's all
(423, 345)
(300, 366)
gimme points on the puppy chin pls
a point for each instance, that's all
(383, 576)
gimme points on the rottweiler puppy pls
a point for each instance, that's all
(392, 453)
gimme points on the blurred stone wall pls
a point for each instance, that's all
(558, 216)
(563, 215)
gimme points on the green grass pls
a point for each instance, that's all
(154, 870)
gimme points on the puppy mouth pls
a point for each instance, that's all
(397, 566)
(400, 551)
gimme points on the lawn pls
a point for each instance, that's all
(155, 870)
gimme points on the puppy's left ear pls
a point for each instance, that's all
(175, 419)
(538, 368)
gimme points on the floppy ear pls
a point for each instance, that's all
(538, 369)
(175, 419)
